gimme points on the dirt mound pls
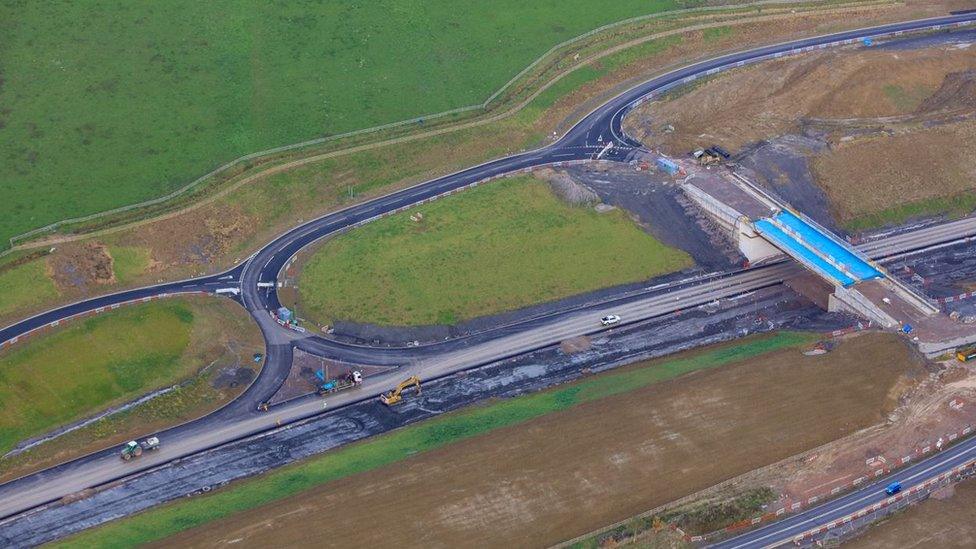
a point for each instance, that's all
(198, 238)
(79, 266)
(958, 91)
(867, 176)
(773, 98)
(568, 189)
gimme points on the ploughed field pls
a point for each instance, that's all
(570, 460)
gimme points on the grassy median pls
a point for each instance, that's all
(494, 248)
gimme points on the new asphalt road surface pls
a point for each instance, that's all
(588, 138)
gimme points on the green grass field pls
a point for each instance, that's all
(127, 262)
(107, 103)
(401, 444)
(494, 248)
(90, 365)
(26, 284)
(956, 206)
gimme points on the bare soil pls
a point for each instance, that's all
(947, 520)
(570, 472)
(198, 240)
(302, 378)
(870, 174)
(773, 98)
(930, 403)
(567, 188)
(894, 121)
(76, 267)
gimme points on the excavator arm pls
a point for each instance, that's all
(396, 395)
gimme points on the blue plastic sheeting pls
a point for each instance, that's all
(667, 165)
(827, 246)
(805, 255)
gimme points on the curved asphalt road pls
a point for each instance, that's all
(583, 141)
(786, 530)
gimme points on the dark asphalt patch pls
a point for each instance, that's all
(946, 271)
(659, 206)
(782, 167)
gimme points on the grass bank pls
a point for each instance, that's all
(420, 438)
(219, 227)
(24, 283)
(180, 88)
(90, 365)
(497, 247)
(954, 207)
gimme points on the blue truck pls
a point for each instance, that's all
(334, 385)
(893, 488)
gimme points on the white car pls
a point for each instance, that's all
(610, 320)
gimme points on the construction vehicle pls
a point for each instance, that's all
(134, 449)
(396, 395)
(333, 385)
(965, 354)
(707, 157)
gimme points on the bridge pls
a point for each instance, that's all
(816, 249)
(766, 229)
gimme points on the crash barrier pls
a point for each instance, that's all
(958, 297)
(880, 466)
(941, 479)
(92, 312)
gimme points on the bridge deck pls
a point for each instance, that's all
(717, 184)
(848, 259)
(801, 253)
(818, 251)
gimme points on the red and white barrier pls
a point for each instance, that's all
(10, 342)
(958, 297)
(791, 506)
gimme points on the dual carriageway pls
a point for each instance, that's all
(583, 142)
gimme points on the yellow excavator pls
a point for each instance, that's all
(396, 395)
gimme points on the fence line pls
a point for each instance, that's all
(374, 129)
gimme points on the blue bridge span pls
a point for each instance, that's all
(817, 249)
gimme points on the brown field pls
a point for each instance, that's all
(571, 472)
(874, 107)
(944, 520)
(869, 175)
(769, 99)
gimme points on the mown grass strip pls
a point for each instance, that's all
(952, 206)
(403, 443)
(494, 248)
